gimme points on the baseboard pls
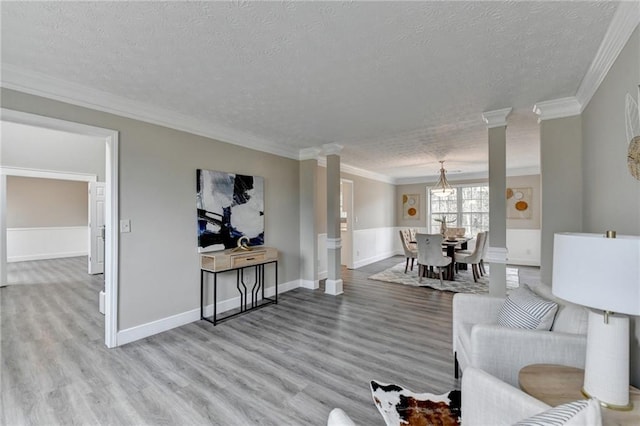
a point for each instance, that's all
(45, 256)
(155, 327)
(373, 259)
(310, 284)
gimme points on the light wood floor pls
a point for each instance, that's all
(287, 364)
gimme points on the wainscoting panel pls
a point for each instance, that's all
(46, 243)
(523, 246)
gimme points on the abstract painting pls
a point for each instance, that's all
(410, 206)
(519, 203)
(229, 206)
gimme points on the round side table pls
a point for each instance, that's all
(559, 384)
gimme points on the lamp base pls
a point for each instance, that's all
(627, 407)
(606, 372)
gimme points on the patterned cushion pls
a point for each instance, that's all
(583, 413)
(523, 308)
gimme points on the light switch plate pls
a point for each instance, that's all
(125, 226)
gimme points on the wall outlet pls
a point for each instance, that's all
(125, 226)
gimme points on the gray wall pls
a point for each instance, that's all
(34, 202)
(44, 149)
(159, 264)
(611, 195)
(561, 180)
(373, 202)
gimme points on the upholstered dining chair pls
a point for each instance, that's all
(474, 257)
(409, 247)
(430, 254)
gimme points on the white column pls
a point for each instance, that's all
(3, 229)
(496, 122)
(308, 229)
(333, 284)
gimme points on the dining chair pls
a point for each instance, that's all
(473, 259)
(430, 254)
(410, 250)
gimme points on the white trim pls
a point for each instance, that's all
(309, 154)
(480, 176)
(323, 275)
(3, 230)
(111, 201)
(39, 84)
(46, 242)
(522, 262)
(497, 255)
(345, 168)
(557, 108)
(334, 243)
(332, 149)
(164, 324)
(496, 118)
(36, 228)
(310, 284)
(12, 259)
(47, 174)
(624, 22)
(333, 287)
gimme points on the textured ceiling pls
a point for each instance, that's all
(400, 85)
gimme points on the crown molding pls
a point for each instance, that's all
(39, 84)
(557, 108)
(309, 153)
(459, 177)
(624, 22)
(496, 118)
(332, 149)
(356, 171)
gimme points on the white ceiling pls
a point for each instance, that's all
(400, 85)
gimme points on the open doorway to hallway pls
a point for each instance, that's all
(35, 150)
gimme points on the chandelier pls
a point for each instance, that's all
(442, 188)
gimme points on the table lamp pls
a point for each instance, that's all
(602, 272)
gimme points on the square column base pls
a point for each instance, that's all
(333, 287)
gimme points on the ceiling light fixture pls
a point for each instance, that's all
(442, 188)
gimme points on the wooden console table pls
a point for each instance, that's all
(559, 384)
(230, 260)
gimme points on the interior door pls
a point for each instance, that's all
(96, 227)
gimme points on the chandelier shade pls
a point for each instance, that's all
(442, 187)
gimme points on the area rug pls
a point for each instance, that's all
(463, 282)
(400, 406)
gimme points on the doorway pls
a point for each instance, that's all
(110, 138)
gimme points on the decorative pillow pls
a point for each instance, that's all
(578, 413)
(524, 309)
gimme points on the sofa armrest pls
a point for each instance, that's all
(503, 351)
(337, 417)
(474, 309)
(487, 400)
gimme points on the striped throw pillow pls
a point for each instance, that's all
(583, 413)
(524, 309)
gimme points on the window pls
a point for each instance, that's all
(467, 207)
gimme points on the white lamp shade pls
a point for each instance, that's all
(598, 272)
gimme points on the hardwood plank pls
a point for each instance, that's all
(286, 364)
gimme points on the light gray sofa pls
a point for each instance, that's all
(480, 342)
